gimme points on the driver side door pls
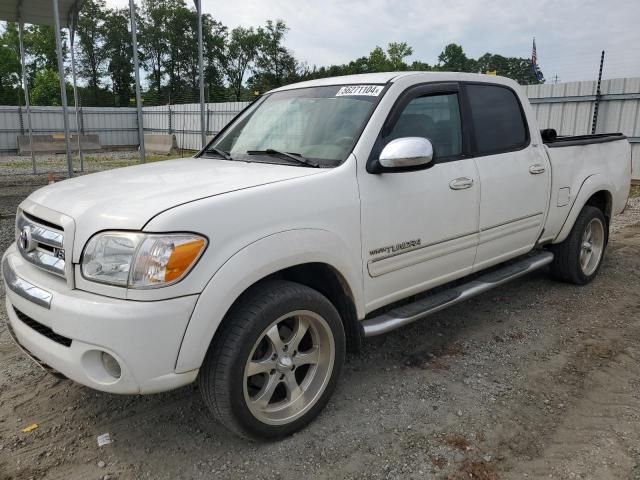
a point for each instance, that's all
(420, 226)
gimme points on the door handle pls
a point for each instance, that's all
(536, 169)
(461, 183)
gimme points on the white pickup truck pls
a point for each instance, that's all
(326, 212)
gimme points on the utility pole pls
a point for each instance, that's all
(597, 103)
(556, 79)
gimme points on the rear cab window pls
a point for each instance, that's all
(498, 120)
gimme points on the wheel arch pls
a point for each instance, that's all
(596, 192)
(327, 280)
(315, 258)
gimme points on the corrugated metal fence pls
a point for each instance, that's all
(184, 120)
(567, 107)
(119, 126)
(116, 126)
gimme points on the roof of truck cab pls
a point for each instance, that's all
(385, 77)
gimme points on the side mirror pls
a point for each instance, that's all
(407, 152)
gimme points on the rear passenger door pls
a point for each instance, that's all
(514, 174)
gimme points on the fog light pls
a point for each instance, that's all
(111, 365)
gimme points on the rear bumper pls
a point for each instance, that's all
(70, 335)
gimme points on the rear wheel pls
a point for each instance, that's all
(276, 361)
(578, 259)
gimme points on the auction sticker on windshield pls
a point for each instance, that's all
(368, 90)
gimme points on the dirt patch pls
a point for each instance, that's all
(439, 462)
(456, 440)
(475, 470)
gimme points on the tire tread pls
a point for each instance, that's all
(566, 260)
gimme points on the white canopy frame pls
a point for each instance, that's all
(73, 23)
(25, 89)
(136, 67)
(203, 127)
(45, 12)
(48, 12)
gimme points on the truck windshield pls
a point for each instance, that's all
(319, 125)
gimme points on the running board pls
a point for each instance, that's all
(405, 314)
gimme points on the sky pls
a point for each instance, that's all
(570, 34)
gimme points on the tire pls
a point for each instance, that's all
(579, 257)
(262, 383)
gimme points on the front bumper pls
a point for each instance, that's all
(70, 335)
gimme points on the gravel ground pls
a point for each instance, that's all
(15, 165)
(537, 379)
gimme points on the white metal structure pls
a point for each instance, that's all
(127, 280)
(136, 69)
(56, 13)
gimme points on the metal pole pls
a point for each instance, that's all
(72, 31)
(136, 67)
(63, 90)
(207, 128)
(203, 133)
(597, 104)
(25, 87)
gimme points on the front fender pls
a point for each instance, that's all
(251, 264)
(591, 185)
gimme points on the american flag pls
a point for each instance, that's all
(534, 62)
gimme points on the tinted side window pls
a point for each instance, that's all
(436, 117)
(497, 119)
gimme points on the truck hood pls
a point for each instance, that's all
(129, 197)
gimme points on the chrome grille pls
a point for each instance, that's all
(41, 243)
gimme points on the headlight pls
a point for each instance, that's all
(140, 260)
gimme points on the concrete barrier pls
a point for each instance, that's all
(161, 144)
(55, 143)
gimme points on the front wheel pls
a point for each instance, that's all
(578, 258)
(276, 361)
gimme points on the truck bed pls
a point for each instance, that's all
(581, 159)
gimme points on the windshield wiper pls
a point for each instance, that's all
(293, 156)
(219, 152)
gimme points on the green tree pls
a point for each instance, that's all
(213, 38)
(181, 63)
(397, 52)
(40, 44)
(378, 61)
(453, 59)
(518, 69)
(419, 66)
(10, 70)
(154, 26)
(92, 55)
(46, 88)
(120, 54)
(240, 54)
(275, 64)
